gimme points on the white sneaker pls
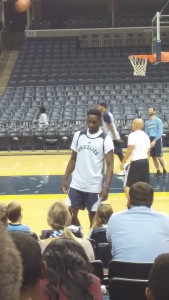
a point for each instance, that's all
(122, 173)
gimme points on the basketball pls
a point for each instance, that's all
(22, 5)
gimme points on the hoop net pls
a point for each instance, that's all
(139, 63)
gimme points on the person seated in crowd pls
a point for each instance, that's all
(42, 118)
(101, 218)
(158, 281)
(3, 214)
(34, 268)
(138, 234)
(10, 267)
(14, 213)
(59, 219)
(68, 273)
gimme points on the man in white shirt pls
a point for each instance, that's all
(139, 150)
(90, 149)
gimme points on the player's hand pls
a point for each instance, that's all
(104, 193)
(64, 187)
(153, 144)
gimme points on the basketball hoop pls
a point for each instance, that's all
(139, 63)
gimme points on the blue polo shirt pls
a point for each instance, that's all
(138, 234)
(17, 227)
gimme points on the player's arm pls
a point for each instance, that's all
(70, 168)
(109, 157)
(111, 128)
(127, 155)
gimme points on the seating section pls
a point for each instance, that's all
(69, 80)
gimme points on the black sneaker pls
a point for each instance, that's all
(158, 173)
(164, 171)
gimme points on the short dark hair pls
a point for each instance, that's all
(94, 112)
(14, 211)
(42, 109)
(30, 252)
(10, 267)
(158, 280)
(141, 194)
(103, 104)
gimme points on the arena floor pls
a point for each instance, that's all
(34, 180)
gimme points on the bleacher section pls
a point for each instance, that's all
(69, 80)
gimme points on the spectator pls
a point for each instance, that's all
(158, 281)
(14, 212)
(101, 218)
(10, 267)
(139, 233)
(3, 214)
(42, 118)
(59, 218)
(68, 273)
(33, 267)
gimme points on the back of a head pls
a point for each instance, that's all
(14, 211)
(141, 194)
(102, 215)
(10, 267)
(59, 216)
(68, 266)
(3, 214)
(42, 110)
(31, 256)
(158, 281)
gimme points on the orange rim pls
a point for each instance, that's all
(150, 57)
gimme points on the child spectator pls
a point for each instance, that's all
(14, 213)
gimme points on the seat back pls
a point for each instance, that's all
(97, 266)
(128, 289)
(131, 270)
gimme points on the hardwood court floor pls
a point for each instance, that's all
(34, 181)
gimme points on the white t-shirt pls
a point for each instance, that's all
(43, 120)
(89, 169)
(107, 118)
(141, 142)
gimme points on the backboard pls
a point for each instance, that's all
(158, 22)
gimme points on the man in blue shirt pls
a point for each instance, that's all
(154, 129)
(139, 233)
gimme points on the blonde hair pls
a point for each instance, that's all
(59, 216)
(102, 215)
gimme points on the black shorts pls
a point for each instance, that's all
(157, 150)
(138, 171)
(81, 200)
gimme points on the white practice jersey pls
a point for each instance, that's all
(89, 169)
(107, 118)
(141, 142)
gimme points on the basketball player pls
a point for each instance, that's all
(90, 148)
(154, 129)
(109, 127)
(138, 149)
